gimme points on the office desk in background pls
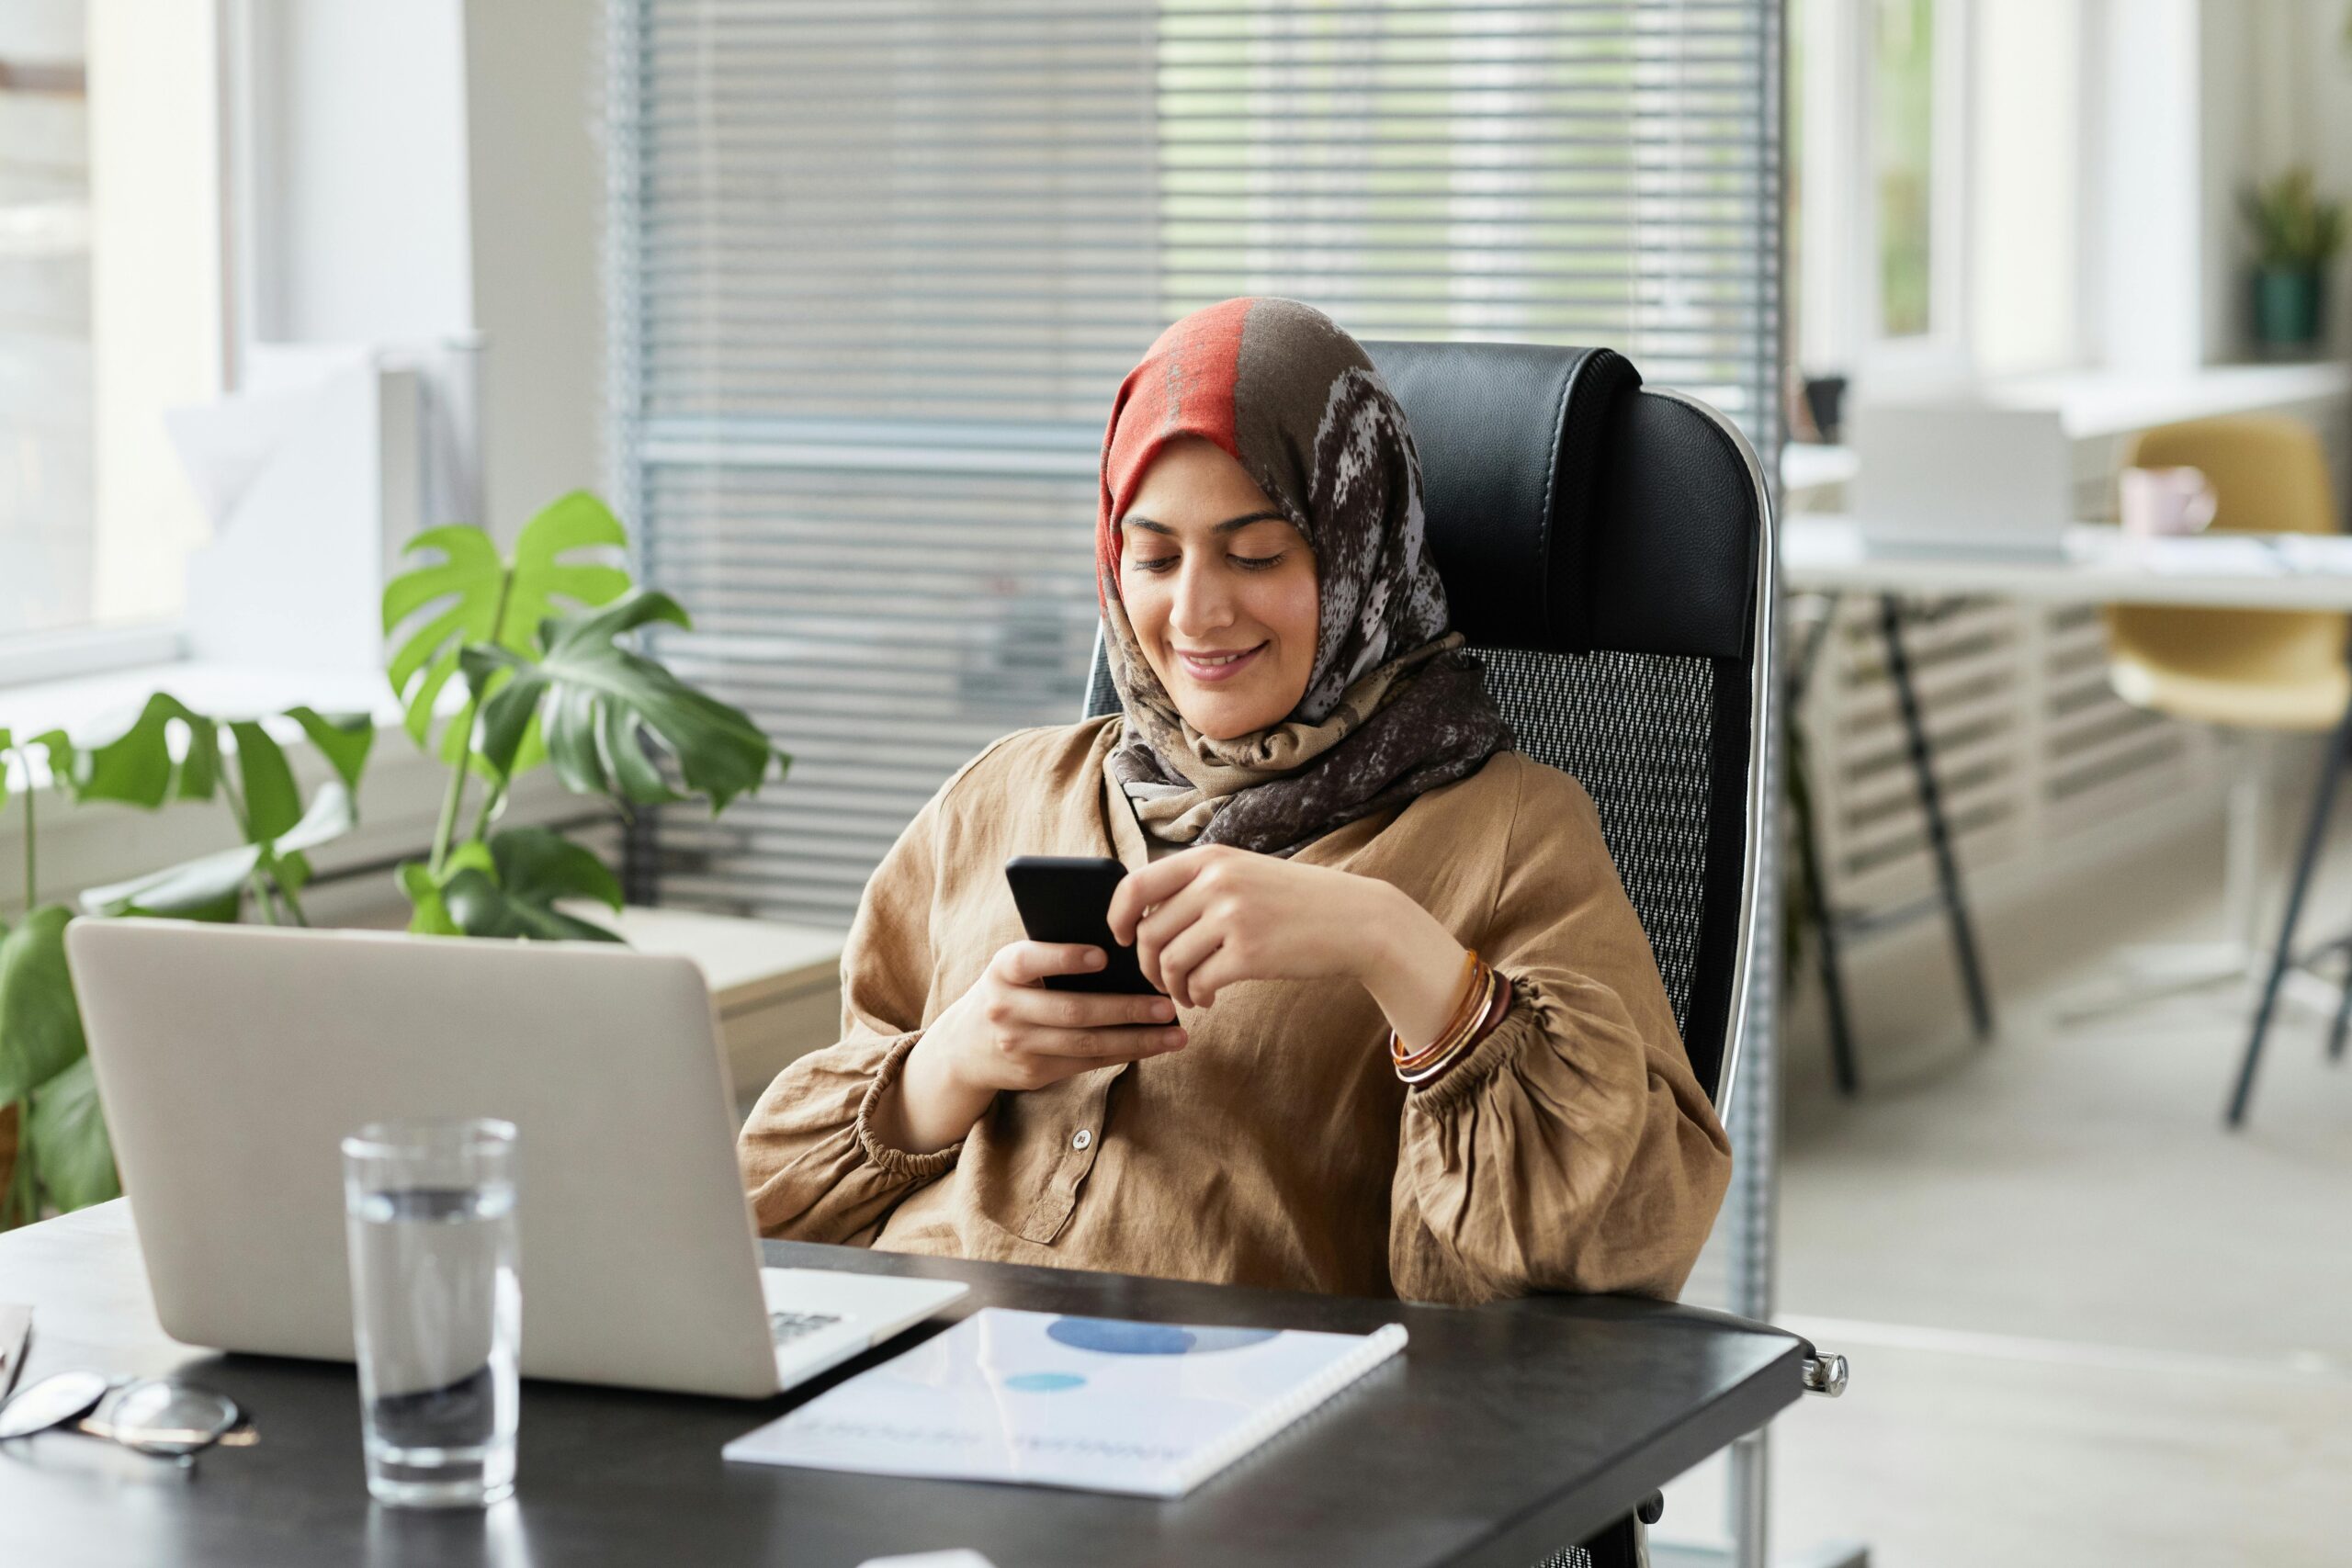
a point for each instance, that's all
(1822, 553)
(1832, 555)
(1501, 1434)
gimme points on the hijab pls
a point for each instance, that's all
(1395, 705)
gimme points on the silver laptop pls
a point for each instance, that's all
(1962, 477)
(231, 1060)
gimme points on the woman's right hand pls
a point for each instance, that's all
(1009, 1032)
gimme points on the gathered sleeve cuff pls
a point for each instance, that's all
(1572, 1149)
(891, 1161)
(812, 1165)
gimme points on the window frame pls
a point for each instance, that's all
(63, 654)
(1840, 287)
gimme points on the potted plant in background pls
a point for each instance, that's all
(534, 641)
(2296, 236)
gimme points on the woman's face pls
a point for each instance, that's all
(1220, 590)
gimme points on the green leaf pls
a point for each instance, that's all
(428, 915)
(208, 887)
(539, 866)
(71, 1149)
(273, 803)
(462, 590)
(480, 908)
(596, 701)
(508, 889)
(344, 739)
(137, 768)
(40, 1022)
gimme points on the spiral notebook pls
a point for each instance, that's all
(1098, 1403)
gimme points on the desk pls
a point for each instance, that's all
(1826, 553)
(1832, 555)
(1503, 1433)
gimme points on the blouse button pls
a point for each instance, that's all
(1080, 1139)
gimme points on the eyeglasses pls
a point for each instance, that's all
(152, 1415)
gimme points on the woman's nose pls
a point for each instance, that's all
(1203, 605)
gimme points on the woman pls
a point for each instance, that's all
(1322, 818)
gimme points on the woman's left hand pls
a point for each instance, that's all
(1202, 919)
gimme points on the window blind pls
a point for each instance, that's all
(876, 266)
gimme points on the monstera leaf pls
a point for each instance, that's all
(210, 887)
(508, 889)
(40, 1023)
(72, 1151)
(475, 596)
(137, 768)
(597, 701)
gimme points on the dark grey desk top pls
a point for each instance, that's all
(1503, 1433)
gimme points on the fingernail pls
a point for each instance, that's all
(1163, 1010)
(1174, 1039)
(1094, 958)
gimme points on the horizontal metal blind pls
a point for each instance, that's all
(876, 267)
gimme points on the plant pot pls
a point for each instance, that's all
(2287, 307)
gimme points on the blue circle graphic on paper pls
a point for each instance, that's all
(1044, 1383)
(1113, 1336)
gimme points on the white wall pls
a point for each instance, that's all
(535, 184)
(360, 215)
(428, 172)
(2024, 128)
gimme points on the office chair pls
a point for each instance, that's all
(1607, 550)
(2246, 670)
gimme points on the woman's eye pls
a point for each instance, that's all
(1160, 563)
(1256, 563)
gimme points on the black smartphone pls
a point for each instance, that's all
(1068, 898)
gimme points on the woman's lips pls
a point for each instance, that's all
(1210, 673)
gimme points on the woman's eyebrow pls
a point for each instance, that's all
(1227, 526)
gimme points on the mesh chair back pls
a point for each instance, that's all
(1654, 703)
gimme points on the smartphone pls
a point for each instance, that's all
(1068, 898)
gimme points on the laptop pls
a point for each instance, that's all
(1961, 477)
(232, 1060)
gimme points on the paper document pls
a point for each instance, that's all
(1099, 1403)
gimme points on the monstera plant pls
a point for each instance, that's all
(50, 1130)
(535, 641)
(535, 645)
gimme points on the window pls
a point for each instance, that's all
(1938, 145)
(1902, 158)
(46, 469)
(878, 266)
(110, 313)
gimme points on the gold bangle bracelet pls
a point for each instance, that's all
(1466, 1013)
(1497, 1006)
(1465, 1027)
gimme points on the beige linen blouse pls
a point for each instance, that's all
(1571, 1150)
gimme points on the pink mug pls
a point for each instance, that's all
(2166, 501)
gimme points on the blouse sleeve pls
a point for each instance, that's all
(1572, 1149)
(812, 1162)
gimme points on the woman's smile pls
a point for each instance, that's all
(1219, 666)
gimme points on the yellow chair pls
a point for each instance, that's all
(2246, 670)
(2267, 670)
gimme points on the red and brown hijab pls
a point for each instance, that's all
(1394, 706)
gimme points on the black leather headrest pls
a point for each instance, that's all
(1569, 510)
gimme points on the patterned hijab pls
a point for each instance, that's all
(1395, 705)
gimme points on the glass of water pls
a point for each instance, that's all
(437, 1308)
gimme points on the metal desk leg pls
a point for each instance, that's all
(1816, 889)
(1963, 937)
(2314, 834)
(2343, 1020)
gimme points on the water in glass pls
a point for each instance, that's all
(437, 1320)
